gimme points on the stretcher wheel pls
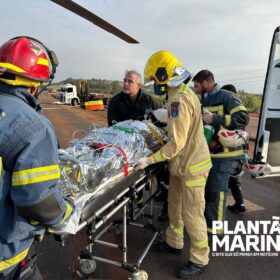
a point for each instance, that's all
(87, 266)
(140, 275)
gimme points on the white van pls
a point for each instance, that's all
(267, 145)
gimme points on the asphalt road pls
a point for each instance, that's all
(261, 199)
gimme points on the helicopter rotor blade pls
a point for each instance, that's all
(88, 15)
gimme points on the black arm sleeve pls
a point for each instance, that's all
(240, 119)
(112, 112)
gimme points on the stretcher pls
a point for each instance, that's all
(121, 196)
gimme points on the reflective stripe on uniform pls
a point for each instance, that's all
(218, 231)
(206, 164)
(237, 109)
(215, 109)
(227, 120)
(220, 213)
(35, 175)
(1, 166)
(200, 243)
(158, 156)
(228, 154)
(14, 260)
(221, 206)
(68, 212)
(177, 230)
(201, 182)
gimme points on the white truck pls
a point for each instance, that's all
(68, 94)
(78, 95)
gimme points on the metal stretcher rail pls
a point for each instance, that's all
(109, 204)
(122, 197)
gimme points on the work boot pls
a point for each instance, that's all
(236, 208)
(190, 269)
(163, 247)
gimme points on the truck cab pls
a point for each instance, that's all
(68, 95)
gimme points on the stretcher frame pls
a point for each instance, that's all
(97, 213)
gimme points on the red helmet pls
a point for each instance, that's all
(28, 58)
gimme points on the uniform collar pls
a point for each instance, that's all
(177, 89)
(21, 93)
(212, 92)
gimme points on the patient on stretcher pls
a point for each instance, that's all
(103, 153)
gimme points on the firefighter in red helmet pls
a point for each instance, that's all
(30, 199)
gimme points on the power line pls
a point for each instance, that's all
(248, 78)
(259, 83)
(238, 73)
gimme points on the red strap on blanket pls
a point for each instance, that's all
(125, 168)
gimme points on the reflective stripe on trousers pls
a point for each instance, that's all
(215, 208)
(186, 205)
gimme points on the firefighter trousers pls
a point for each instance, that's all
(186, 205)
(215, 209)
(235, 185)
(216, 192)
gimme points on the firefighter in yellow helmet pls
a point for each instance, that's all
(189, 161)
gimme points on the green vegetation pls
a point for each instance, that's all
(250, 100)
(95, 85)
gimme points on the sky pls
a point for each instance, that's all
(231, 38)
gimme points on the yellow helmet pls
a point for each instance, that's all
(160, 67)
(164, 68)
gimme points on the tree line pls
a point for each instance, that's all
(95, 85)
(250, 100)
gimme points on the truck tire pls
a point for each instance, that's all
(75, 102)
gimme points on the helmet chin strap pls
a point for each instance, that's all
(42, 88)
